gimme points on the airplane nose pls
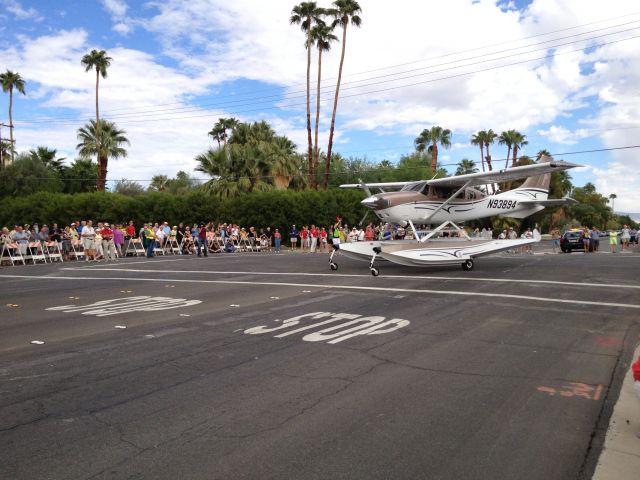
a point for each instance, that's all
(375, 203)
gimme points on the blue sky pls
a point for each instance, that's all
(560, 71)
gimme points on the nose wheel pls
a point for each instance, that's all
(375, 272)
(334, 266)
(467, 266)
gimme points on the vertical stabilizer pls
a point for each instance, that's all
(539, 181)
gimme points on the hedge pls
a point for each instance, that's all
(278, 209)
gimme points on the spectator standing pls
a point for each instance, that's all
(586, 239)
(633, 239)
(595, 239)
(202, 240)
(131, 230)
(269, 235)
(108, 245)
(277, 238)
(314, 233)
(150, 235)
(88, 234)
(304, 236)
(555, 239)
(322, 238)
(118, 238)
(625, 237)
(293, 237)
(21, 238)
(613, 240)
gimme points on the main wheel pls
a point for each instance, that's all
(467, 265)
(375, 272)
(334, 266)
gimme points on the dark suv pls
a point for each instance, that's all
(571, 240)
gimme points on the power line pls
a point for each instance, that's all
(351, 85)
(439, 56)
(370, 170)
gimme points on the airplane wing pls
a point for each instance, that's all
(482, 178)
(377, 185)
(504, 175)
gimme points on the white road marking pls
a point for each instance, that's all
(359, 275)
(119, 326)
(344, 287)
(37, 342)
(115, 306)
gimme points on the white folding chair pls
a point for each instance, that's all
(53, 251)
(13, 253)
(36, 253)
(77, 250)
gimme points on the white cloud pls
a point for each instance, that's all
(559, 134)
(118, 11)
(117, 8)
(21, 13)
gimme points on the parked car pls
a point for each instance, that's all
(571, 240)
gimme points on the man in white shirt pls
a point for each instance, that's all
(88, 235)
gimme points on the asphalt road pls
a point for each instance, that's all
(259, 366)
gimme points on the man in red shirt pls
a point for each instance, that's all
(131, 230)
(313, 237)
(108, 247)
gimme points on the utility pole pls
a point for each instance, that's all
(10, 142)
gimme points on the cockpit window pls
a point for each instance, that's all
(414, 187)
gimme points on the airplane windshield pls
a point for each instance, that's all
(414, 187)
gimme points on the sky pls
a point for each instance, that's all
(566, 73)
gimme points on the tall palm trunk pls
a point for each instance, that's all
(434, 158)
(315, 145)
(327, 166)
(102, 162)
(11, 149)
(482, 155)
(515, 156)
(312, 176)
(490, 167)
(506, 165)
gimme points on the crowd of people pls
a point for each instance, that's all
(105, 242)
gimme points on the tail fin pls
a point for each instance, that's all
(539, 181)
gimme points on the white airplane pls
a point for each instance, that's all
(447, 201)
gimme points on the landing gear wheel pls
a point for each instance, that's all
(375, 272)
(467, 265)
(334, 266)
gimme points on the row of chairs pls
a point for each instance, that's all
(45, 252)
(49, 252)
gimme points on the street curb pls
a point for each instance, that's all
(620, 455)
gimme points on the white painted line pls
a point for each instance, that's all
(37, 342)
(234, 305)
(119, 326)
(359, 275)
(344, 287)
(185, 315)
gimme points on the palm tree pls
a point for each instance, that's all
(100, 61)
(345, 13)
(507, 138)
(613, 197)
(489, 139)
(429, 139)
(284, 162)
(306, 14)
(48, 157)
(220, 129)
(519, 142)
(9, 81)
(159, 183)
(466, 166)
(478, 139)
(323, 36)
(104, 140)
